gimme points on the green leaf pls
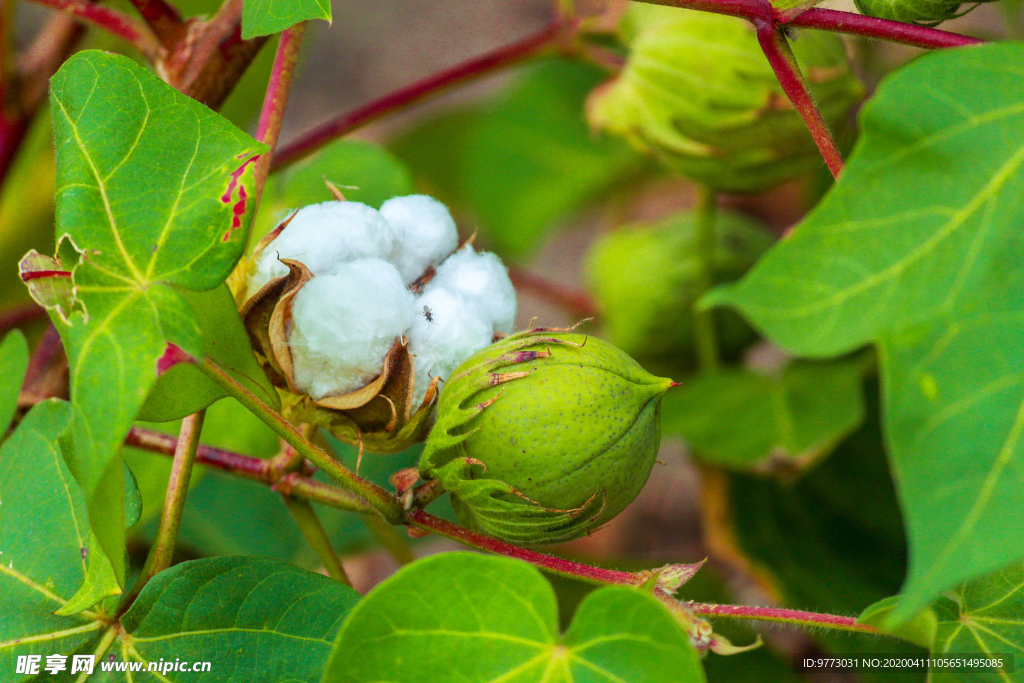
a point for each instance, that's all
(152, 187)
(364, 172)
(265, 17)
(44, 541)
(482, 618)
(13, 364)
(918, 249)
(984, 616)
(744, 419)
(183, 389)
(525, 159)
(255, 619)
(919, 630)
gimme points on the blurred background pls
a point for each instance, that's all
(512, 155)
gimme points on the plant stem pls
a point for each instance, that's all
(776, 48)
(163, 19)
(390, 539)
(830, 20)
(308, 521)
(512, 53)
(573, 301)
(112, 21)
(784, 616)
(162, 551)
(705, 335)
(380, 499)
(303, 487)
(276, 99)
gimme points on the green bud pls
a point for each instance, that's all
(698, 93)
(923, 12)
(545, 435)
(645, 279)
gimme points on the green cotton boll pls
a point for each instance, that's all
(545, 435)
(921, 12)
(644, 277)
(698, 93)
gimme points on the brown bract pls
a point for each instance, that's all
(379, 417)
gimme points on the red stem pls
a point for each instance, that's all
(786, 616)
(557, 294)
(491, 61)
(780, 57)
(829, 20)
(226, 461)
(164, 20)
(110, 20)
(20, 315)
(272, 115)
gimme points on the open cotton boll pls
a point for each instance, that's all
(482, 278)
(457, 329)
(425, 233)
(321, 236)
(343, 324)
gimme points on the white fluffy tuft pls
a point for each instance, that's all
(425, 233)
(321, 236)
(482, 278)
(458, 328)
(344, 322)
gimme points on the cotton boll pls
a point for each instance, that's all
(343, 324)
(425, 233)
(457, 329)
(482, 278)
(321, 236)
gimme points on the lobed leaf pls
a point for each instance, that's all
(153, 193)
(468, 617)
(918, 249)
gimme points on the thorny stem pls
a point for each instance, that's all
(110, 20)
(776, 48)
(380, 499)
(308, 521)
(705, 335)
(162, 551)
(276, 99)
(478, 66)
(303, 487)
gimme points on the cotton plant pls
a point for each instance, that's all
(360, 315)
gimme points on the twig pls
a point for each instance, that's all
(246, 466)
(163, 19)
(111, 21)
(830, 20)
(783, 62)
(308, 521)
(576, 302)
(162, 551)
(384, 502)
(503, 56)
(276, 99)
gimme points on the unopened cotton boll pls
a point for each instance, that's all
(344, 323)
(482, 278)
(321, 236)
(425, 233)
(457, 329)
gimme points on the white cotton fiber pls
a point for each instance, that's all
(482, 278)
(343, 324)
(425, 233)
(458, 328)
(321, 236)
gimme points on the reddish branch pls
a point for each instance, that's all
(486, 63)
(276, 99)
(564, 297)
(829, 20)
(785, 616)
(780, 57)
(110, 20)
(164, 20)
